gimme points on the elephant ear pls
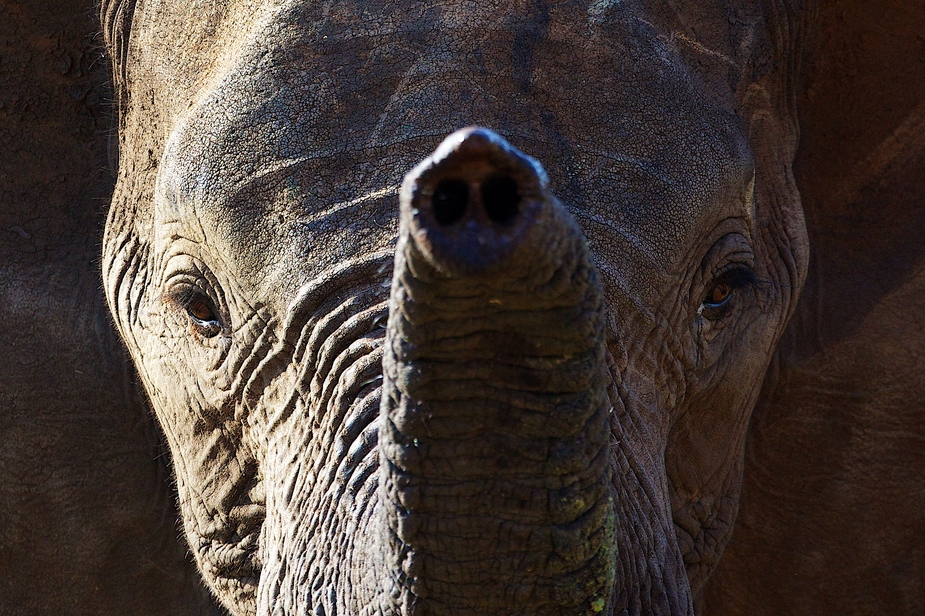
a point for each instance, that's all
(831, 513)
(769, 36)
(116, 20)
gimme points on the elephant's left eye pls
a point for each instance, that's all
(202, 314)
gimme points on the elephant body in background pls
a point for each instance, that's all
(828, 520)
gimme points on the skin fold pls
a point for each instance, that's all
(526, 389)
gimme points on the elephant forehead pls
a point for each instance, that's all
(324, 107)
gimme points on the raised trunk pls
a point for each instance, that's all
(494, 436)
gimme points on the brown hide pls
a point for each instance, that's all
(88, 517)
(833, 507)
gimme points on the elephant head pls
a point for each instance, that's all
(491, 399)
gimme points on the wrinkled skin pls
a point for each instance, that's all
(88, 514)
(274, 300)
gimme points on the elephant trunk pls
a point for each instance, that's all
(494, 437)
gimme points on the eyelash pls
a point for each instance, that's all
(739, 277)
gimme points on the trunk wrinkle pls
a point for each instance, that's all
(495, 440)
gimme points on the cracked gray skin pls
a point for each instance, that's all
(383, 410)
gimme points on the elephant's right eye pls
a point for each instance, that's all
(716, 302)
(202, 315)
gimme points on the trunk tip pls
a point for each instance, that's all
(473, 200)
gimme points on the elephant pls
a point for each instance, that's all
(298, 482)
(526, 389)
(89, 517)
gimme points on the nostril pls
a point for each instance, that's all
(501, 198)
(449, 201)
